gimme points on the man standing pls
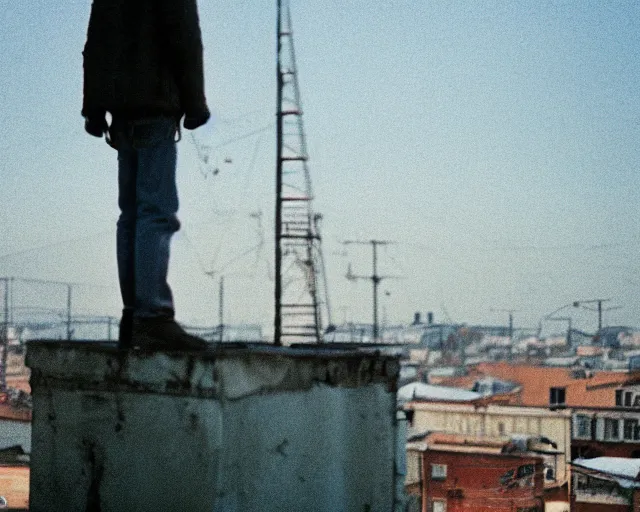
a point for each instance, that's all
(143, 65)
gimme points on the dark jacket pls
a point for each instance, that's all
(143, 58)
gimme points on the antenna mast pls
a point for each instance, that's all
(375, 278)
(298, 256)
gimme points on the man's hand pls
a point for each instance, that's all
(195, 120)
(96, 126)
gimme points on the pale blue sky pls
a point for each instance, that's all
(495, 142)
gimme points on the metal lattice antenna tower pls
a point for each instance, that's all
(298, 255)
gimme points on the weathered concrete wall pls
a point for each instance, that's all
(234, 429)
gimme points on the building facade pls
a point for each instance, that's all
(496, 421)
(606, 484)
(456, 482)
(610, 431)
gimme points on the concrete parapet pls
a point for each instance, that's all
(237, 428)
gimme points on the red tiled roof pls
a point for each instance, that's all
(536, 381)
(461, 381)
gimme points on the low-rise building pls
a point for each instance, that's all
(481, 418)
(452, 472)
(555, 387)
(606, 484)
(606, 432)
(611, 431)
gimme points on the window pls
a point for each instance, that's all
(438, 506)
(438, 471)
(524, 475)
(631, 430)
(549, 474)
(628, 399)
(611, 429)
(526, 470)
(557, 396)
(618, 398)
(456, 494)
(508, 477)
(583, 426)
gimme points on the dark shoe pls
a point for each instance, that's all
(126, 328)
(163, 334)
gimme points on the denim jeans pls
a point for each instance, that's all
(148, 201)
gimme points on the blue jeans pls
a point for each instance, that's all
(148, 201)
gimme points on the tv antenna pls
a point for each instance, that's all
(374, 277)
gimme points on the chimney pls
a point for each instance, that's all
(430, 318)
(416, 319)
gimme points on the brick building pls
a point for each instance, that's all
(504, 424)
(458, 473)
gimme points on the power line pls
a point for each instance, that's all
(58, 283)
(51, 245)
(244, 136)
(241, 117)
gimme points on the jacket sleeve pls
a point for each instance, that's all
(180, 27)
(91, 107)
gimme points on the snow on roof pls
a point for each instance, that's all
(445, 371)
(626, 470)
(420, 391)
(561, 361)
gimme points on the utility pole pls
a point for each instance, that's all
(69, 332)
(569, 328)
(298, 253)
(11, 279)
(221, 308)
(511, 312)
(375, 278)
(5, 340)
(67, 285)
(599, 308)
